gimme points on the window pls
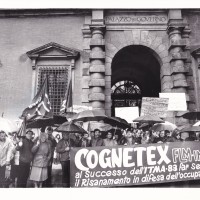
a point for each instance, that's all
(58, 79)
(57, 62)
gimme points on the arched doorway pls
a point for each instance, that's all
(135, 74)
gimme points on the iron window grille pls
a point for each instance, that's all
(58, 79)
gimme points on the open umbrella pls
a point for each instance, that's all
(89, 115)
(148, 119)
(69, 127)
(194, 115)
(99, 116)
(190, 128)
(121, 120)
(7, 125)
(164, 126)
(43, 122)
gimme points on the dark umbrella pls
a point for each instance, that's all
(120, 119)
(43, 122)
(96, 115)
(194, 115)
(116, 122)
(148, 119)
(190, 128)
(69, 127)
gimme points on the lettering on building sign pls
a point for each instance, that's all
(152, 19)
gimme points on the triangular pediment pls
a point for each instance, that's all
(53, 50)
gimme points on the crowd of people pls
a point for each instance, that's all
(31, 158)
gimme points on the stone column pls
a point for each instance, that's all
(97, 62)
(86, 60)
(178, 58)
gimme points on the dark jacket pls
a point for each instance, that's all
(42, 154)
(85, 143)
(97, 142)
(60, 148)
(53, 145)
(26, 154)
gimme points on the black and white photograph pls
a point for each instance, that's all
(99, 98)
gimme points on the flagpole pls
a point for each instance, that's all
(72, 87)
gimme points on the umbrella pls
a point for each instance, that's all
(113, 121)
(190, 128)
(148, 119)
(89, 115)
(96, 115)
(69, 127)
(43, 122)
(164, 126)
(102, 126)
(120, 119)
(7, 125)
(194, 115)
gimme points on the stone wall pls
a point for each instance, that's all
(19, 35)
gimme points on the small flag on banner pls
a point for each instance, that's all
(66, 105)
(40, 106)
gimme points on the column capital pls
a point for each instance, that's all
(98, 29)
(86, 31)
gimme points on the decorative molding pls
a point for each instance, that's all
(39, 52)
(195, 51)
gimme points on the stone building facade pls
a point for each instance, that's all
(157, 50)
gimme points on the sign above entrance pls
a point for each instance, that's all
(177, 101)
(136, 19)
(154, 106)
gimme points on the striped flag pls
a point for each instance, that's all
(40, 106)
(66, 105)
(22, 129)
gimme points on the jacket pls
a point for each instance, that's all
(42, 154)
(109, 143)
(6, 149)
(26, 155)
(60, 148)
(97, 142)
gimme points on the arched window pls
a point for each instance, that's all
(126, 93)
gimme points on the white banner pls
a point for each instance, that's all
(177, 101)
(127, 113)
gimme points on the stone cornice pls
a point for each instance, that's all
(42, 12)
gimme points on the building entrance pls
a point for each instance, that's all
(135, 74)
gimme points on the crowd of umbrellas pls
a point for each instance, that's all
(99, 120)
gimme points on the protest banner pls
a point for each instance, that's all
(127, 113)
(135, 165)
(177, 101)
(154, 106)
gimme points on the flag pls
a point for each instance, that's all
(40, 105)
(66, 105)
(22, 129)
